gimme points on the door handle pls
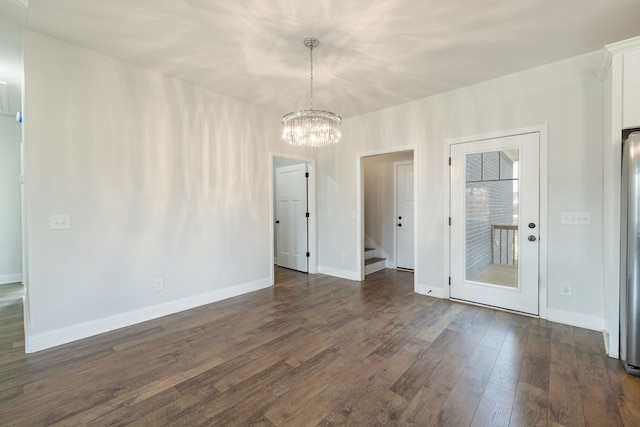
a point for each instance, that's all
(532, 238)
(278, 222)
(399, 225)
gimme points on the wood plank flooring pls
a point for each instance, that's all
(316, 350)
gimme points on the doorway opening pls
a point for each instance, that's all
(293, 214)
(13, 263)
(387, 208)
(497, 220)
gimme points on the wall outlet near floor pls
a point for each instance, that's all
(158, 285)
(565, 289)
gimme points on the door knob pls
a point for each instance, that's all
(278, 222)
(399, 225)
(532, 225)
(399, 217)
(532, 238)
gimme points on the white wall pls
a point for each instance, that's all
(161, 179)
(379, 202)
(565, 95)
(10, 198)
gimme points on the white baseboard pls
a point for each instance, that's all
(337, 272)
(611, 352)
(10, 278)
(83, 330)
(575, 319)
(431, 291)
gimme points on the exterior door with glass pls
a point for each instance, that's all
(495, 222)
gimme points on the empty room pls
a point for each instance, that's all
(296, 213)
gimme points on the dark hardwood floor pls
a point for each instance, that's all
(316, 350)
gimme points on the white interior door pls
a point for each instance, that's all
(495, 222)
(404, 216)
(291, 219)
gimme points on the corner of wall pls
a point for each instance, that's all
(338, 272)
(575, 319)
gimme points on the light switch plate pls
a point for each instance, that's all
(60, 222)
(576, 218)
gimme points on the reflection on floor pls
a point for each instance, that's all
(498, 274)
(321, 350)
(11, 320)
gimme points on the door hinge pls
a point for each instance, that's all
(307, 215)
(449, 161)
(449, 220)
(308, 254)
(306, 174)
(449, 280)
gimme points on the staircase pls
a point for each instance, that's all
(373, 263)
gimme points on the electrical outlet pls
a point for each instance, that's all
(158, 285)
(565, 289)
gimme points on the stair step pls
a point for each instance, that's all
(369, 253)
(372, 265)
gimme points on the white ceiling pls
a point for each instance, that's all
(372, 54)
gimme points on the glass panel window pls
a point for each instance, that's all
(492, 187)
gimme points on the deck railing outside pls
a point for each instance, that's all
(504, 239)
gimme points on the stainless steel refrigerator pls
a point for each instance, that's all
(630, 255)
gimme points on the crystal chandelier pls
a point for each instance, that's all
(311, 128)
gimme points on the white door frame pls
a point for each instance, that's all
(25, 245)
(395, 208)
(311, 198)
(360, 207)
(292, 228)
(542, 267)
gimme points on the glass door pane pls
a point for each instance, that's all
(491, 212)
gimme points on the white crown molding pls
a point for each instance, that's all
(623, 46)
(616, 48)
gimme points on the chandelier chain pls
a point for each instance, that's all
(311, 80)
